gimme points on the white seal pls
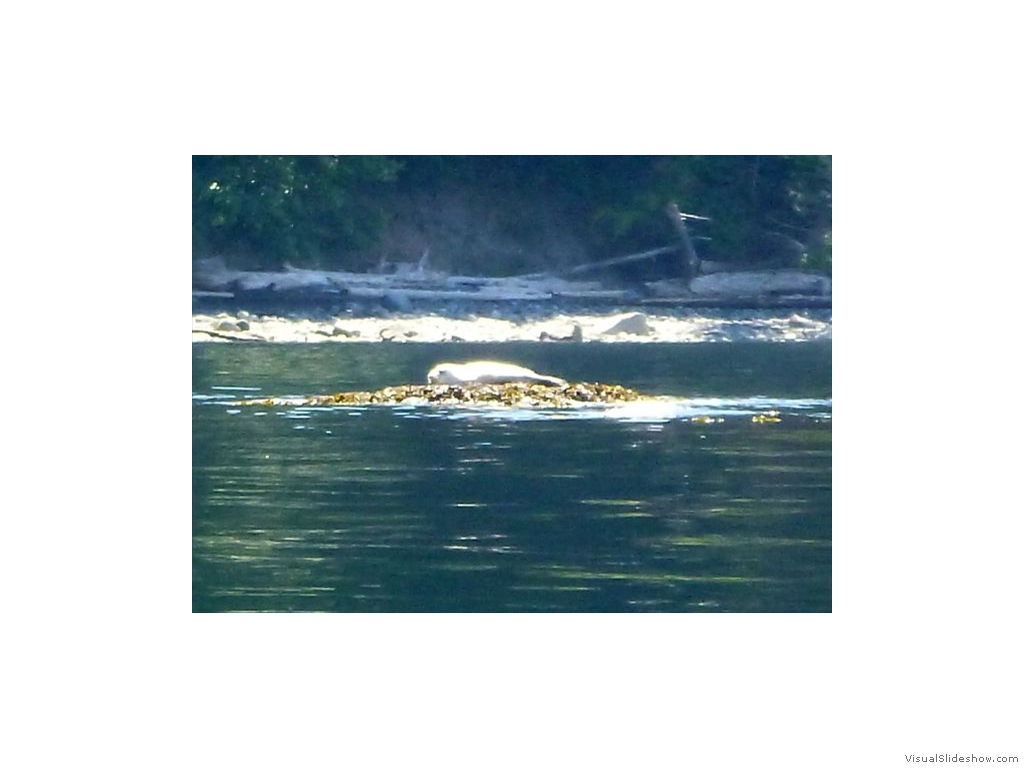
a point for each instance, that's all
(488, 372)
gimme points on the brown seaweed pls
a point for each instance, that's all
(514, 394)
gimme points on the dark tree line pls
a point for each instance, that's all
(332, 210)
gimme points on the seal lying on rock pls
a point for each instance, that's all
(488, 372)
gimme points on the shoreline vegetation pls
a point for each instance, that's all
(511, 215)
(505, 248)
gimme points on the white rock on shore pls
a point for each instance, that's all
(635, 323)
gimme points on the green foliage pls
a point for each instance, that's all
(763, 208)
(270, 209)
(819, 257)
(332, 211)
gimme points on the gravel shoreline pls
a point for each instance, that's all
(611, 327)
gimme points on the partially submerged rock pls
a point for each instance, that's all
(515, 394)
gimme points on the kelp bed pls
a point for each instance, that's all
(517, 394)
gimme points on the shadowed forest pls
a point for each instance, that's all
(507, 215)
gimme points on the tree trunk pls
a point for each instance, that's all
(689, 263)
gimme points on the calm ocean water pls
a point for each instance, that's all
(694, 503)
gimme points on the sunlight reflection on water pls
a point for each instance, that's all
(720, 501)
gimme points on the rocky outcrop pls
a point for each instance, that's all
(516, 394)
